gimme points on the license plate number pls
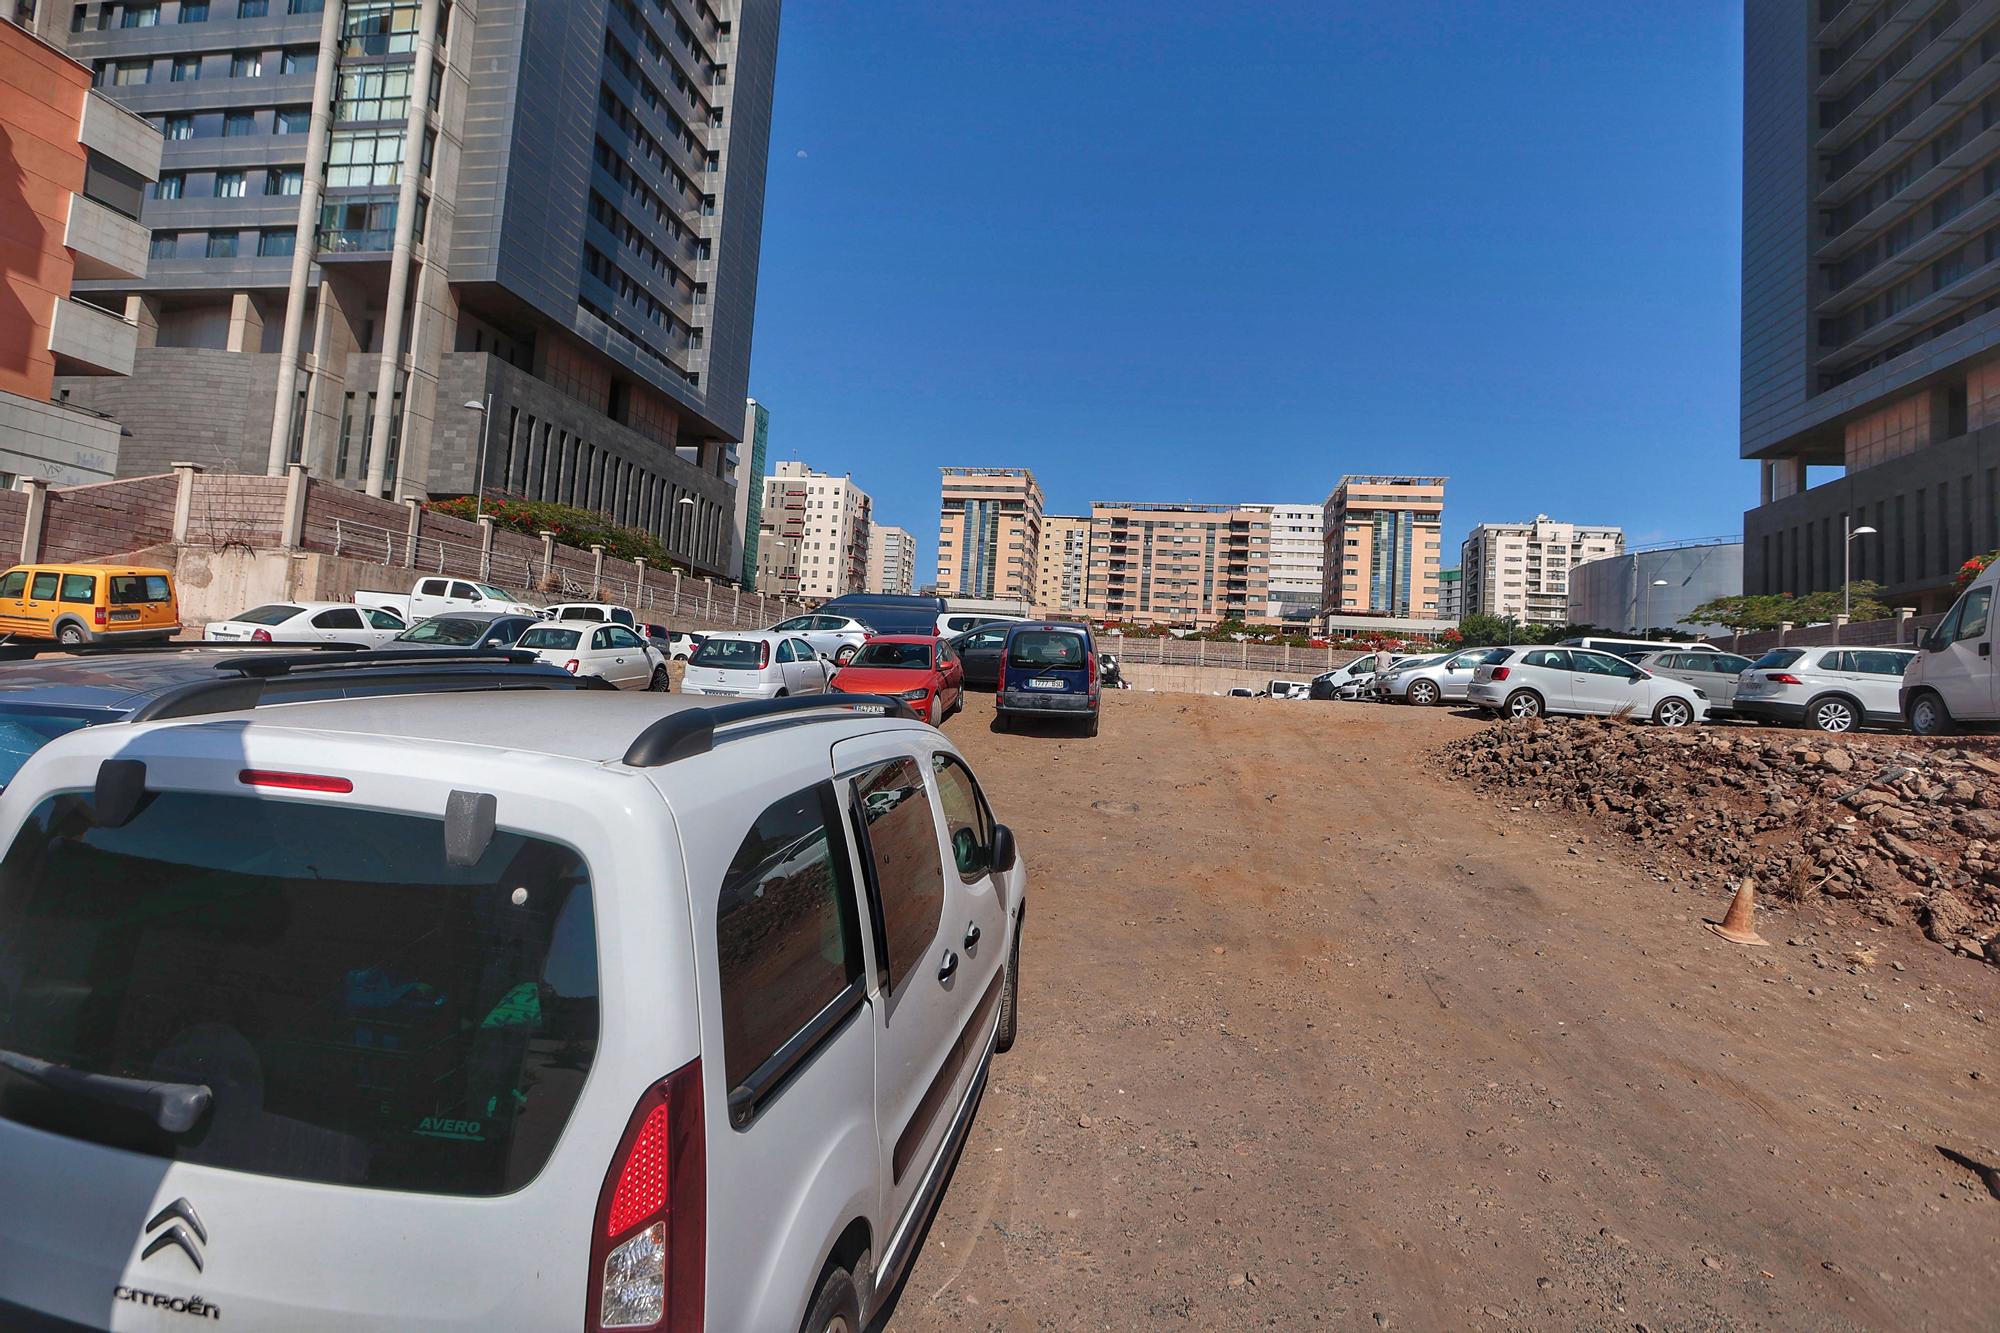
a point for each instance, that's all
(1045, 684)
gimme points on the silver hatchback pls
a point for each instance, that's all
(1713, 673)
(1432, 680)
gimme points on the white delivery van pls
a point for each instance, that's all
(1952, 680)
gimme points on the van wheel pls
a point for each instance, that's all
(781, 694)
(661, 682)
(1832, 713)
(70, 636)
(1090, 727)
(1001, 722)
(1010, 1003)
(1929, 716)
(836, 1306)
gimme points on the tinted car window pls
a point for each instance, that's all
(785, 653)
(967, 824)
(903, 848)
(623, 638)
(44, 586)
(14, 584)
(729, 654)
(26, 728)
(551, 636)
(79, 588)
(433, 587)
(127, 589)
(381, 619)
(580, 613)
(1604, 664)
(275, 614)
(803, 650)
(622, 616)
(343, 617)
(1553, 658)
(787, 932)
(465, 591)
(1878, 663)
(445, 631)
(1778, 659)
(364, 1012)
(795, 624)
(1978, 606)
(1726, 663)
(1046, 649)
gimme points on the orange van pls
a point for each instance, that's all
(79, 604)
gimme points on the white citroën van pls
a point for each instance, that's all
(1952, 681)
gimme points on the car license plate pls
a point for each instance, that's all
(1045, 684)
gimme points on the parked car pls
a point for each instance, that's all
(979, 651)
(1424, 681)
(1714, 673)
(1242, 692)
(1110, 673)
(757, 666)
(1347, 682)
(888, 613)
(585, 648)
(612, 976)
(82, 604)
(923, 672)
(53, 696)
(436, 596)
(1049, 669)
(308, 622)
(1288, 689)
(597, 611)
(1530, 681)
(958, 622)
(1826, 689)
(1630, 648)
(1952, 681)
(677, 644)
(833, 637)
(463, 629)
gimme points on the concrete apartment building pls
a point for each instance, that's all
(1298, 557)
(892, 561)
(815, 534)
(1381, 537)
(1179, 565)
(1451, 595)
(1062, 565)
(989, 533)
(1871, 292)
(748, 461)
(1522, 569)
(1656, 587)
(76, 165)
(372, 212)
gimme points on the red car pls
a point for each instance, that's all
(923, 672)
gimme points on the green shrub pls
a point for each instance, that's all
(572, 526)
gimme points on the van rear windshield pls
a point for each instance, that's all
(128, 589)
(363, 1012)
(730, 654)
(1046, 648)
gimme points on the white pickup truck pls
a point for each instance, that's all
(435, 596)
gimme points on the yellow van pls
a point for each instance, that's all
(79, 604)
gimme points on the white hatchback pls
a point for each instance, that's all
(1826, 689)
(831, 636)
(1530, 681)
(612, 652)
(308, 622)
(755, 666)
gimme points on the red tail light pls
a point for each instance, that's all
(572, 666)
(1783, 678)
(260, 636)
(649, 1247)
(264, 777)
(97, 613)
(763, 654)
(1499, 673)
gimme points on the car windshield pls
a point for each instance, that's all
(550, 636)
(363, 1011)
(1045, 648)
(730, 654)
(446, 631)
(1777, 659)
(903, 656)
(26, 728)
(274, 614)
(492, 593)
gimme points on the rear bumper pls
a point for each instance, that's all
(1035, 701)
(731, 692)
(136, 634)
(1770, 710)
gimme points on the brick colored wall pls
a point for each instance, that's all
(232, 509)
(41, 166)
(109, 518)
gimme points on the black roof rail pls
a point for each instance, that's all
(286, 664)
(238, 692)
(193, 646)
(691, 731)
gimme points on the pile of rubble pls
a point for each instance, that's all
(1902, 828)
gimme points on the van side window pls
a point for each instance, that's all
(787, 931)
(1978, 608)
(14, 584)
(968, 825)
(44, 587)
(903, 848)
(79, 588)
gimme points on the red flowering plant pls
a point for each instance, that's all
(1974, 567)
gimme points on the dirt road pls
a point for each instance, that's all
(1311, 1037)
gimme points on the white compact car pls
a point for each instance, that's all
(612, 652)
(308, 622)
(1826, 689)
(600, 612)
(831, 636)
(1531, 681)
(504, 1010)
(755, 666)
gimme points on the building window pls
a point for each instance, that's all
(186, 68)
(364, 157)
(165, 245)
(284, 180)
(379, 27)
(140, 16)
(222, 245)
(348, 225)
(170, 185)
(246, 65)
(229, 185)
(194, 11)
(304, 6)
(276, 242)
(374, 94)
(252, 9)
(291, 120)
(239, 123)
(128, 72)
(300, 60)
(179, 127)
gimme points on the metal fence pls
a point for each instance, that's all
(1277, 658)
(1899, 631)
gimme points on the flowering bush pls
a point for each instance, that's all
(1974, 567)
(572, 526)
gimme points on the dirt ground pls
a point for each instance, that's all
(1311, 1036)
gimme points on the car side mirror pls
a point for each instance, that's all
(1003, 849)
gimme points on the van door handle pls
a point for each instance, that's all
(1986, 649)
(948, 966)
(971, 934)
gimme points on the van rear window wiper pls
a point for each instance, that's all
(175, 1107)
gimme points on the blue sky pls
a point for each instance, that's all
(1159, 250)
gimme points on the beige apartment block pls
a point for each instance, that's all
(892, 560)
(1522, 569)
(1179, 565)
(1062, 567)
(1382, 536)
(813, 536)
(989, 533)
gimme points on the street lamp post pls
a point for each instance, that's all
(687, 500)
(1847, 562)
(485, 411)
(1647, 615)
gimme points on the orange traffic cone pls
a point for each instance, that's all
(1740, 925)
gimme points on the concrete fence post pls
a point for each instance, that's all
(1839, 625)
(416, 528)
(1242, 656)
(548, 554)
(35, 519)
(292, 534)
(639, 588)
(1904, 614)
(596, 569)
(184, 475)
(736, 606)
(677, 592)
(708, 599)
(1200, 652)
(485, 547)
(1784, 628)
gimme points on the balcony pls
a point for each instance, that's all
(120, 136)
(108, 244)
(90, 341)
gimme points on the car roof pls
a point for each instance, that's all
(476, 616)
(753, 635)
(55, 567)
(1069, 625)
(109, 680)
(903, 638)
(306, 606)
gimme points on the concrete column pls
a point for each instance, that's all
(37, 516)
(246, 332)
(1904, 614)
(184, 475)
(1784, 628)
(639, 588)
(144, 311)
(548, 553)
(306, 236)
(333, 341)
(293, 534)
(485, 547)
(1839, 624)
(596, 568)
(400, 257)
(677, 592)
(415, 531)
